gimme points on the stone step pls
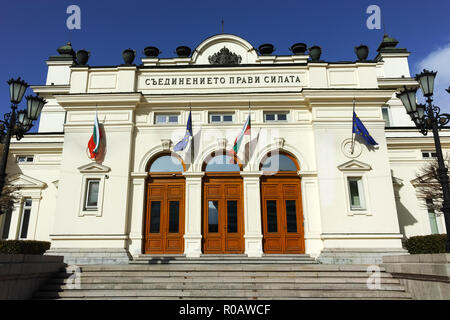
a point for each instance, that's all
(221, 280)
(166, 262)
(226, 267)
(220, 286)
(219, 298)
(242, 279)
(224, 256)
(222, 259)
(240, 294)
(221, 274)
(169, 258)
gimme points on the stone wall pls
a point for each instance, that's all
(21, 274)
(425, 276)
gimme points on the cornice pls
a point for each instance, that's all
(218, 98)
(39, 147)
(112, 99)
(48, 90)
(398, 143)
(335, 95)
(395, 83)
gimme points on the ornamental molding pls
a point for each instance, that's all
(94, 168)
(354, 165)
(222, 143)
(224, 56)
(24, 181)
(165, 144)
(279, 142)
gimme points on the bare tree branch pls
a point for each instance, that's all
(10, 195)
(429, 187)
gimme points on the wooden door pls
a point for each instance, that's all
(223, 222)
(164, 226)
(282, 215)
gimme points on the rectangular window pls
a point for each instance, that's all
(386, 117)
(291, 216)
(356, 192)
(174, 216)
(155, 214)
(232, 216)
(429, 154)
(24, 159)
(5, 222)
(166, 119)
(220, 118)
(271, 215)
(275, 116)
(432, 217)
(26, 212)
(213, 216)
(92, 190)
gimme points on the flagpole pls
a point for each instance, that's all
(250, 143)
(192, 141)
(353, 135)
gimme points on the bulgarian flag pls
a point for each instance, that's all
(240, 137)
(94, 142)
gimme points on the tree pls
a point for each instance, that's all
(429, 187)
(9, 196)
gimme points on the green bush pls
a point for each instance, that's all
(433, 243)
(23, 247)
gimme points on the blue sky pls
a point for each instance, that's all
(30, 31)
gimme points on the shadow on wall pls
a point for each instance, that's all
(405, 218)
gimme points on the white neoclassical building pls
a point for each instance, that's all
(293, 187)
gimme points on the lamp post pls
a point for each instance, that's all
(428, 117)
(16, 123)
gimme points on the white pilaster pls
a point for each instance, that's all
(137, 213)
(252, 214)
(311, 213)
(193, 216)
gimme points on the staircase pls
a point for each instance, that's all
(221, 277)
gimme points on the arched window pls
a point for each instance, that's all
(166, 163)
(279, 162)
(221, 163)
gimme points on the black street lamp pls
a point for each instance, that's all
(16, 123)
(428, 117)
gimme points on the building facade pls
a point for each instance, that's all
(298, 183)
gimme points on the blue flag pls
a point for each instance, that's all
(184, 142)
(360, 129)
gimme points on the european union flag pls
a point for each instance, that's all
(361, 130)
(184, 142)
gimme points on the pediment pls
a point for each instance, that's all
(354, 165)
(224, 49)
(94, 168)
(24, 181)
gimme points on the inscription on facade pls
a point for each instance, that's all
(222, 80)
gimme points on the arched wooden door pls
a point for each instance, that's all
(282, 215)
(223, 211)
(164, 218)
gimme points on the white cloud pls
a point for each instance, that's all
(439, 60)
